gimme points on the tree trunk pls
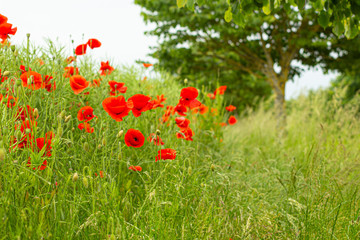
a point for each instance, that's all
(280, 108)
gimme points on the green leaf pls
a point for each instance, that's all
(191, 5)
(266, 8)
(200, 2)
(351, 30)
(300, 4)
(239, 19)
(228, 15)
(324, 19)
(181, 3)
(338, 28)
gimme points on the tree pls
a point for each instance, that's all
(263, 48)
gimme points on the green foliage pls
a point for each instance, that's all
(332, 12)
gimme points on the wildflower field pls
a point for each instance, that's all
(90, 150)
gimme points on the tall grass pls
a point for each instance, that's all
(304, 186)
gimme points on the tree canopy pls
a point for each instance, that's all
(340, 15)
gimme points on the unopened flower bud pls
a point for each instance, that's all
(85, 182)
(119, 157)
(16, 53)
(75, 177)
(158, 132)
(99, 146)
(120, 133)
(18, 134)
(6, 73)
(2, 154)
(185, 80)
(27, 131)
(28, 35)
(36, 113)
(190, 170)
(86, 146)
(67, 118)
(60, 131)
(18, 82)
(62, 114)
(73, 129)
(212, 167)
(103, 142)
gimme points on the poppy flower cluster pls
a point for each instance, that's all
(86, 114)
(6, 28)
(92, 43)
(219, 91)
(116, 88)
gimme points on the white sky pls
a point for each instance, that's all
(116, 23)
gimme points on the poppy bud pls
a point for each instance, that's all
(67, 118)
(85, 182)
(120, 133)
(212, 167)
(190, 170)
(103, 142)
(73, 129)
(18, 82)
(185, 80)
(27, 131)
(36, 113)
(28, 35)
(119, 157)
(16, 53)
(75, 177)
(2, 154)
(99, 146)
(158, 132)
(62, 114)
(60, 131)
(6, 73)
(18, 134)
(86, 146)
(12, 47)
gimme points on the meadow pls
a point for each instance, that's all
(94, 151)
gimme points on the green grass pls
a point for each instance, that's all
(252, 185)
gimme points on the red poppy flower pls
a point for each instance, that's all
(70, 59)
(2, 78)
(24, 113)
(23, 69)
(135, 168)
(117, 87)
(48, 85)
(186, 134)
(101, 174)
(230, 108)
(10, 102)
(222, 124)
(32, 80)
(134, 138)
(155, 139)
(211, 95)
(220, 90)
(202, 109)
(158, 101)
(165, 154)
(40, 144)
(189, 93)
(70, 71)
(6, 28)
(232, 120)
(182, 122)
(147, 65)
(117, 107)
(81, 49)
(105, 68)
(141, 104)
(86, 126)
(93, 43)
(86, 114)
(96, 83)
(180, 109)
(214, 111)
(78, 83)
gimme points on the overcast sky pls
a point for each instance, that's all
(116, 23)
